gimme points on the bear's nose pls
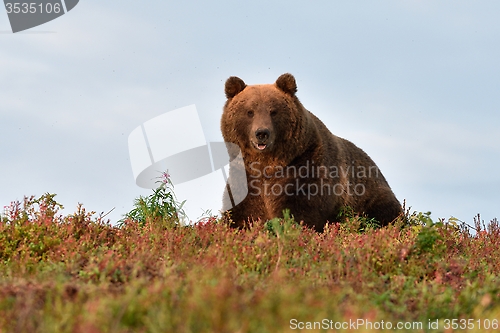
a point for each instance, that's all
(262, 134)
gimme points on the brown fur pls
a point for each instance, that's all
(293, 140)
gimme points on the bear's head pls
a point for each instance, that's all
(266, 120)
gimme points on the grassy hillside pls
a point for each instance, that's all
(77, 273)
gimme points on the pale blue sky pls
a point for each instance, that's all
(413, 83)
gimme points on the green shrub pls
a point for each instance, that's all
(160, 207)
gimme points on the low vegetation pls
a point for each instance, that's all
(78, 273)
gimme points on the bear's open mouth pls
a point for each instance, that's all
(260, 146)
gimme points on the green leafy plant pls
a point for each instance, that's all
(281, 227)
(357, 223)
(159, 207)
(427, 239)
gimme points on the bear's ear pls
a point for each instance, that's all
(234, 85)
(286, 82)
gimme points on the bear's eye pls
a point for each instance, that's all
(273, 113)
(250, 114)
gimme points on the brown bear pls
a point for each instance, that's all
(292, 161)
